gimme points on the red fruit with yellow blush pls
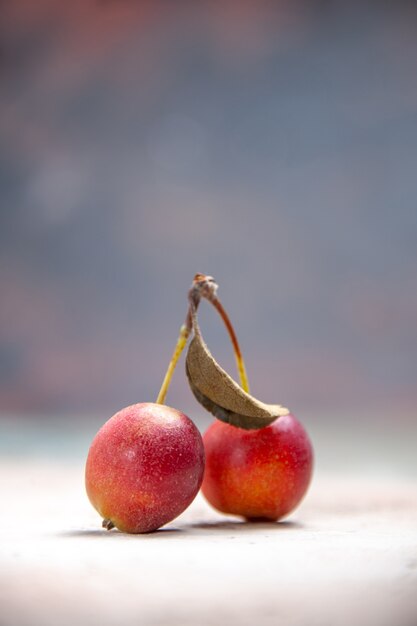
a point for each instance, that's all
(146, 464)
(257, 474)
(144, 467)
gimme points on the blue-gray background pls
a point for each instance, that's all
(270, 144)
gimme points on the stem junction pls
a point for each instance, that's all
(202, 287)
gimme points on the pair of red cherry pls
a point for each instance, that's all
(147, 463)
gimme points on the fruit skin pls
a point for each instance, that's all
(258, 474)
(144, 467)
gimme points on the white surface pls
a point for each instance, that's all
(347, 555)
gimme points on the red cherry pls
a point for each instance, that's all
(144, 467)
(260, 473)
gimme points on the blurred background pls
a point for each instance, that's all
(272, 145)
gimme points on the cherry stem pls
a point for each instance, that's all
(179, 347)
(240, 363)
(203, 286)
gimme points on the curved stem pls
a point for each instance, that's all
(240, 364)
(203, 286)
